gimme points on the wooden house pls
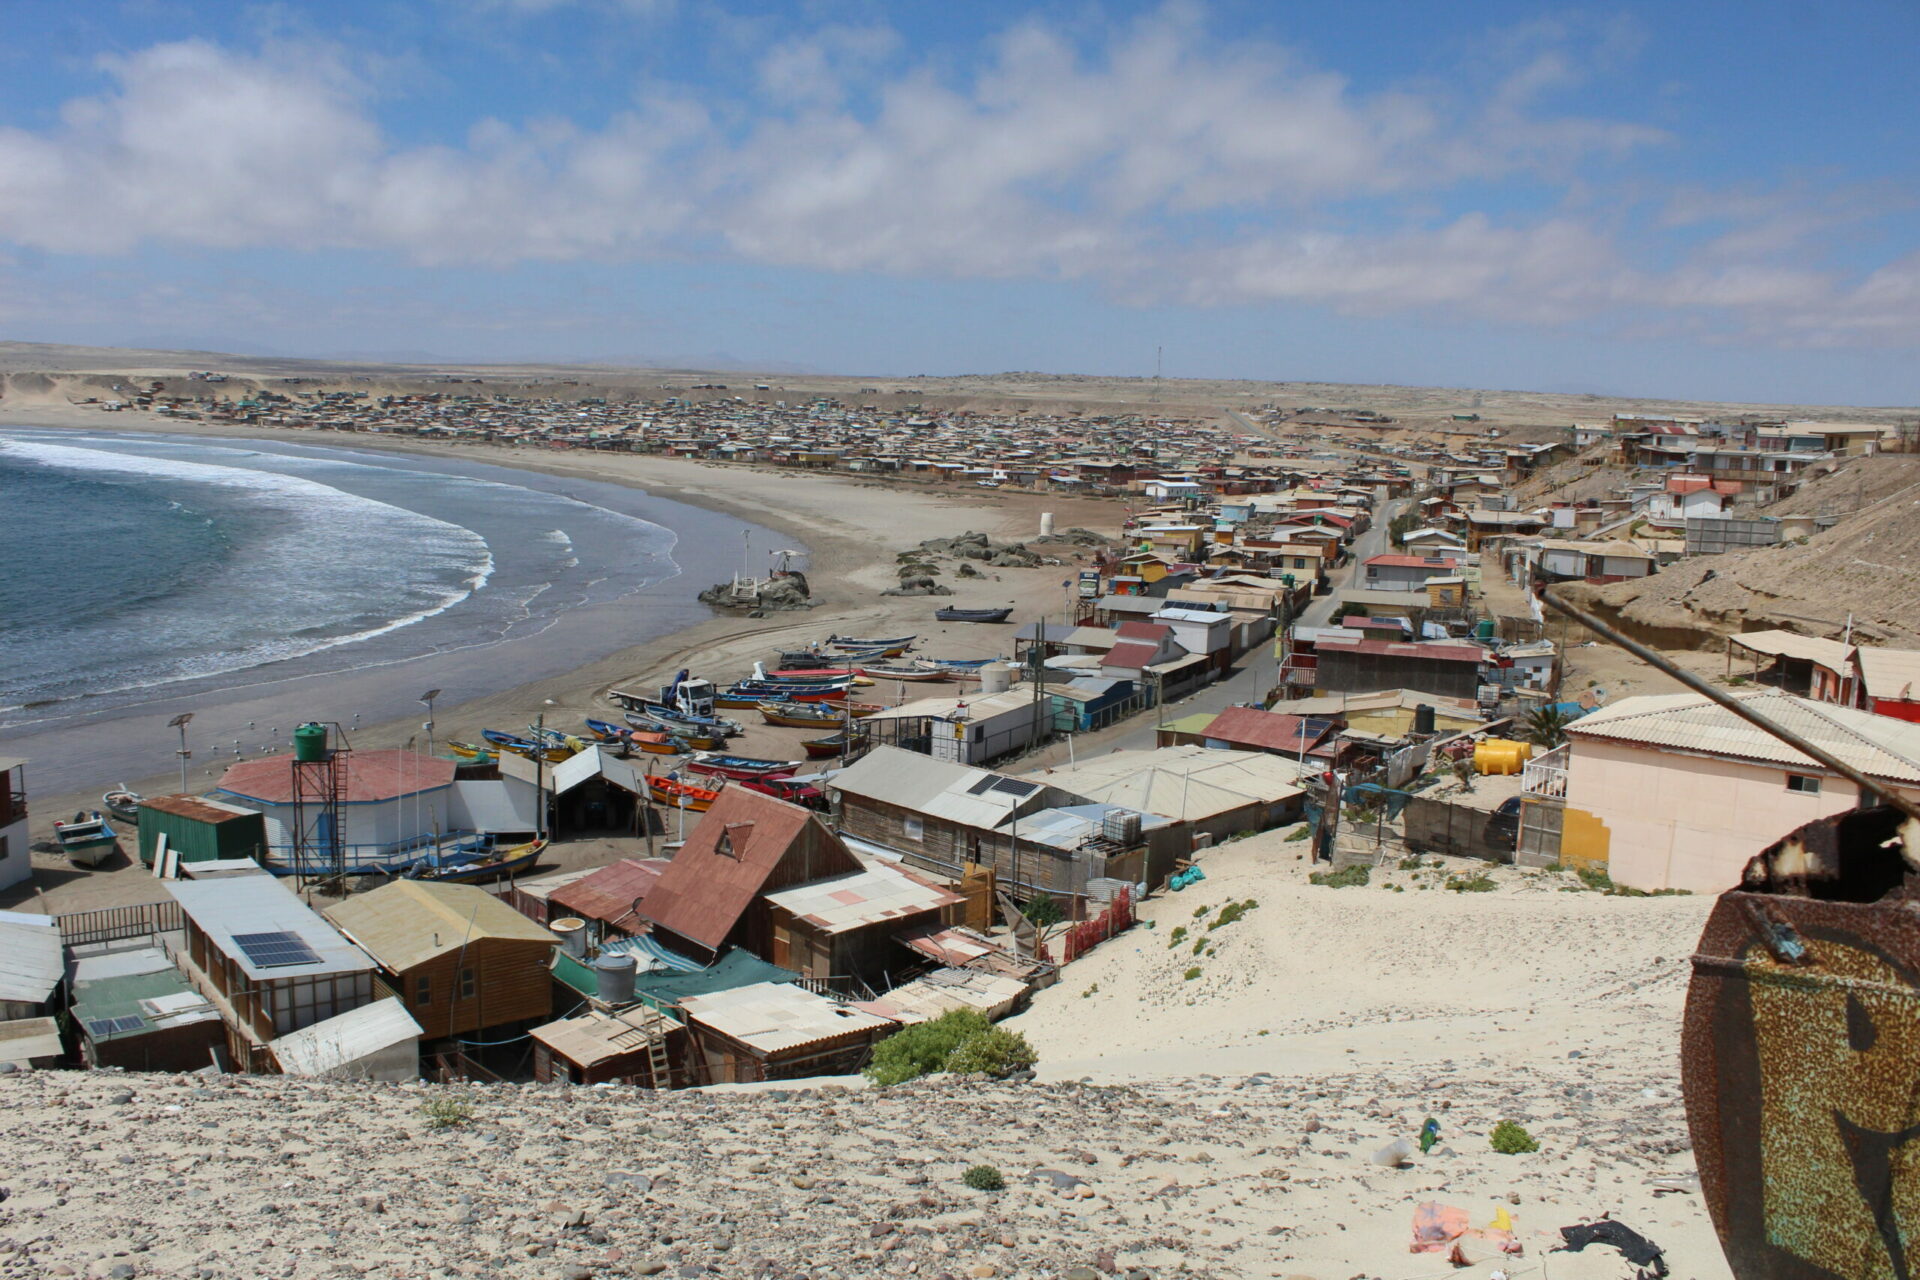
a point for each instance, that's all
(776, 1031)
(461, 959)
(844, 927)
(748, 844)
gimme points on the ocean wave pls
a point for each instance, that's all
(314, 567)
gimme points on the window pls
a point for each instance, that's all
(1803, 783)
(423, 990)
(913, 828)
(466, 984)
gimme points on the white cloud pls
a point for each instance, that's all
(1160, 161)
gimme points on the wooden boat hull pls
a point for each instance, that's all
(671, 793)
(122, 804)
(506, 862)
(88, 840)
(910, 675)
(739, 767)
(470, 754)
(824, 748)
(972, 615)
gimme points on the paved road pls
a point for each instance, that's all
(1246, 684)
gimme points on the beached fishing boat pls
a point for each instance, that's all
(824, 748)
(466, 867)
(669, 718)
(806, 675)
(801, 715)
(898, 644)
(724, 766)
(672, 793)
(914, 674)
(522, 747)
(88, 839)
(686, 735)
(748, 693)
(957, 665)
(467, 753)
(122, 804)
(972, 615)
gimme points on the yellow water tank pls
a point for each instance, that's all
(1501, 755)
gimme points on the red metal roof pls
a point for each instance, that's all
(371, 776)
(611, 893)
(1151, 631)
(746, 845)
(1130, 654)
(1404, 649)
(1264, 730)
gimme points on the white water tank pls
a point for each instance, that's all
(1046, 524)
(573, 935)
(995, 677)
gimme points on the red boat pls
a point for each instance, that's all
(675, 794)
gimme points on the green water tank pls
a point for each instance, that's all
(1484, 628)
(310, 743)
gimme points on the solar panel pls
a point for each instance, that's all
(114, 1026)
(275, 950)
(1015, 787)
(983, 786)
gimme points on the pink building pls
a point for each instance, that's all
(1674, 792)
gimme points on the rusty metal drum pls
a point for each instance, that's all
(1801, 1058)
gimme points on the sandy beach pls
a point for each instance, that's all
(853, 530)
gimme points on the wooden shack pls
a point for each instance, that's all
(638, 1045)
(461, 959)
(776, 1031)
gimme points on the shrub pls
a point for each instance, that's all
(447, 1112)
(1351, 878)
(1301, 833)
(1199, 945)
(1043, 910)
(1411, 863)
(1192, 973)
(914, 1051)
(1178, 936)
(994, 1051)
(1200, 911)
(1478, 882)
(984, 1177)
(1509, 1139)
(1231, 912)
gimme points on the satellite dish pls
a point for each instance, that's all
(1599, 695)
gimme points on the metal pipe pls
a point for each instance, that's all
(1868, 787)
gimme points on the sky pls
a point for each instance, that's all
(1708, 200)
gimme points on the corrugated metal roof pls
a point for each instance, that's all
(1878, 746)
(371, 777)
(1186, 783)
(1830, 654)
(11, 762)
(880, 892)
(610, 893)
(30, 957)
(937, 788)
(263, 904)
(1893, 674)
(775, 1018)
(729, 858)
(595, 1037)
(340, 1041)
(26, 1039)
(144, 985)
(199, 808)
(408, 922)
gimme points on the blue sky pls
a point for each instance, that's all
(1704, 200)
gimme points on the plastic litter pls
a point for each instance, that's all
(1638, 1250)
(1181, 879)
(1395, 1154)
(1439, 1228)
(1429, 1134)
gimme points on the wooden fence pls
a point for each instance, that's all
(112, 924)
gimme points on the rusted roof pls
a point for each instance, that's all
(1404, 649)
(200, 810)
(746, 844)
(1129, 654)
(371, 776)
(1266, 730)
(611, 893)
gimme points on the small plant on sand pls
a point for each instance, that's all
(1351, 878)
(1299, 833)
(1192, 973)
(1509, 1139)
(1200, 911)
(1231, 912)
(984, 1177)
(1411, 863)
(1178, 936)
(1478, 882)
(446, 1112)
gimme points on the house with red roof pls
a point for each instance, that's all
(1276, 733)
(389, 799)
(1407, 573)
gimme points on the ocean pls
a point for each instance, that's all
(150, 573)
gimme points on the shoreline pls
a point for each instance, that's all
(852, 529)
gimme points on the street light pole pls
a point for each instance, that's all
(180, 722)
(428, 698)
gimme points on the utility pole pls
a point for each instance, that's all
(428, 698)
(180, 722)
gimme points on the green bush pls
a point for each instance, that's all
(915, 1051)
(1411, 863)
(1192, 973)
(1301, 833)
(1043, 910)
(1351, 878)
(984, 1177)
(1178, 936)
(1199, 945)
(1200, 911)
(1478, 882)
(1509, 1139)
(994, 1051)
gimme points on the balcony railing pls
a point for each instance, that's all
(1546, 775)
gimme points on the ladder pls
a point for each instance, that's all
(658, 1066)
